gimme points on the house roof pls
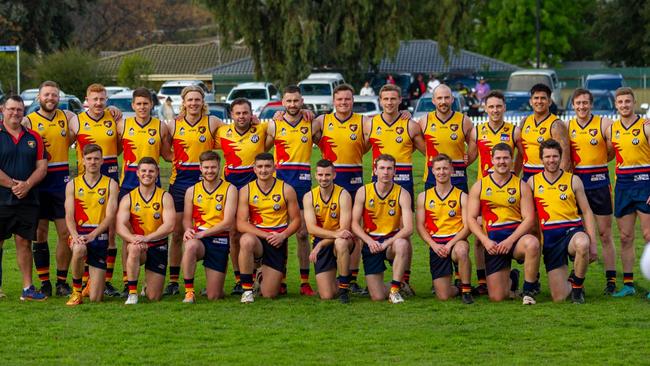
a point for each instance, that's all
(423, 56)
(242, 66)
(173, 59)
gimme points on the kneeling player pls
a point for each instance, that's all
(90, 205)
(384, 209)
(327, 216)
(440, 219)
(267, 215)
(210, 209)
(144, 219)
(558, 195)
(506, 206)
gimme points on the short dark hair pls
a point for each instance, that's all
(441, 157)
(148, 160)
(343, 87)
(142, 92)
(390, 88)
(240, 101)
(582, 91)
(209, 155)
(386, 157)
(549, 144)
(495, 94)
(540, 88)
(264, 156)
(48, 83)
(91, 148)
(290, 89)
(502, 146)
(16, 98)
(324, 163)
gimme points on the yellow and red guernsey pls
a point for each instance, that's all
(102, 132)
(239, 151)
(138, 141)
(54, 132)
(443, 216)
(268, 210)
(382, 216)
(532, 135)
(632, 154)
(293, 147)
(90, 202)
(146, 215)
(589, 152)
(486, 139)
(189, 141)
(500, 204)
(444, 137)
(208, 207)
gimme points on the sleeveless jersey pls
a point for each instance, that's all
(589, 152)
(342, 143)
(445, 137)
(208, 207)
(328, 213)
(239, 151)
(102, 132)
(268, 210)
(532, 135)
(632, 154)
(486, 138)
(188, 142)
(500, 205)
(382, 216)
(138, 141)
(90, 202)
(443, 217)
(146, 215)
(555, 202)
(55, 138)
(293, 146)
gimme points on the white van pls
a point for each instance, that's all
(523, 80)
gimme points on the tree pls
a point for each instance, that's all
(623, 32)
(289, 38)
(506, 30)
(72, 69)
(133, 71)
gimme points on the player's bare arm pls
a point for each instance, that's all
(416, 136)
(468, 129)
(270, 136)
(559, 132)
(588, 218)
(439, 249)
(168, 220)
(407, 219)
(165, 142)
(357, 229)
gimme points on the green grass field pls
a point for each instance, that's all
(298, 330)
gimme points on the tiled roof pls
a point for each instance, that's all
(242, 66)
(179, 58)
(424, 56)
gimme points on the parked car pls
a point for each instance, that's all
(517, 105)
(268, 111)
(603, 104)
(112, 90)
(173, 89)
(425, 105)
(403, 80)
(219, 110)
(317, 94)
(604, 81)
(259, 94)
(366, 105)
(523, 80)
(29, 95)
(66, 103)
(327, 75)
(123, 100)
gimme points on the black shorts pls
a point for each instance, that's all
(439, 267)
(273, 257)
(157, 258)
(556, 247)
(178, 194)
(373, 263)
(96, 251)
(600, 200)
(217, 249)
(20, 220)
(495, 263)
(631, 199)
(52, 205)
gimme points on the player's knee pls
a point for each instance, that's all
(402, 247)
(302, 234)
(532, 246)
(582, 245)
(627, 237)
(462, 250)
(246, 242)
(191, 246)
(497, 297)
(78, 251)
(341, 246)
(646, 234)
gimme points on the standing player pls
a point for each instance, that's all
(210, 209)
(98, 126)
(558, 195)
(23, 165)
(145, 218)
(293, 137)
(90, 205)
(505, 205)
(52, 124)
(384, 210)
(192, 133)
(440, 220)
(267, 215)
(630, 138)
(240, 141)
(589, 155)
(327, 217)
(446, 132)
(537, 127)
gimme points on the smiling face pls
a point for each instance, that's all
(551, 159)
(390, 101)
(193, 103)
(241, 114)
(209, 170)
(495, 108)
(582, 106)
(96, 102)
(343, 101)
(541, 102)
(502, 161)
(48, 98)
(625, 105)
(142, 107)
(442, 171)
(325, 176)
(443, 99)
(147, 174)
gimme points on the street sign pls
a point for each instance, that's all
(8, 48)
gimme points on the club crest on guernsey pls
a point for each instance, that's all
(202, 129)
(304, 130)
(593, 131)
(353, 128)
(562, 187)
(152, 132)
(156, 206)
(512, 191)
(276, 197)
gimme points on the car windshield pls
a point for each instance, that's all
(268, 112)
(315, 89)
(604, 84)
(218, 112)
(248, 94)
(123, 104)
(518, 103)
(425, 105)
(363, 107)
(171, 90)
(525, 82)
(601, 103)
(29, 95)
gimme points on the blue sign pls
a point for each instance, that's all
(8, 48)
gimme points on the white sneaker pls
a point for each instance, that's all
(144, 291)
(131, 300)
(395, 297)
(528, 300)
(247, 297)
(2, 294)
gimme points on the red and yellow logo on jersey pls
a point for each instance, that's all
(268, 210)
(102, 132)
(342, 141)
(240, 149)
(208, 207)
(500, 205)
(382, 215)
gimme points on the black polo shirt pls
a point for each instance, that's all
(18, 157)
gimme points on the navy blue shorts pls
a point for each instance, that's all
(110, 169)
(273, 257)
(350, 181)
(373, 263)
(326, 259)
(217, 249)
(20, 220)
(96, 252)
(157, 258)
(600, 200)
(123, 192)
(495, 263)
(240, 179)
(628, 200)
(556, 247)
(300, 193)
(439, 267)
(52, 205)
(178, 194)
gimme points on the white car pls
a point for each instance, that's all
(317, 94)
(29, 95)
(367, 105)
(523, 80)
(259, 94)
(122, 101)
(112, 90)
(173, 90)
